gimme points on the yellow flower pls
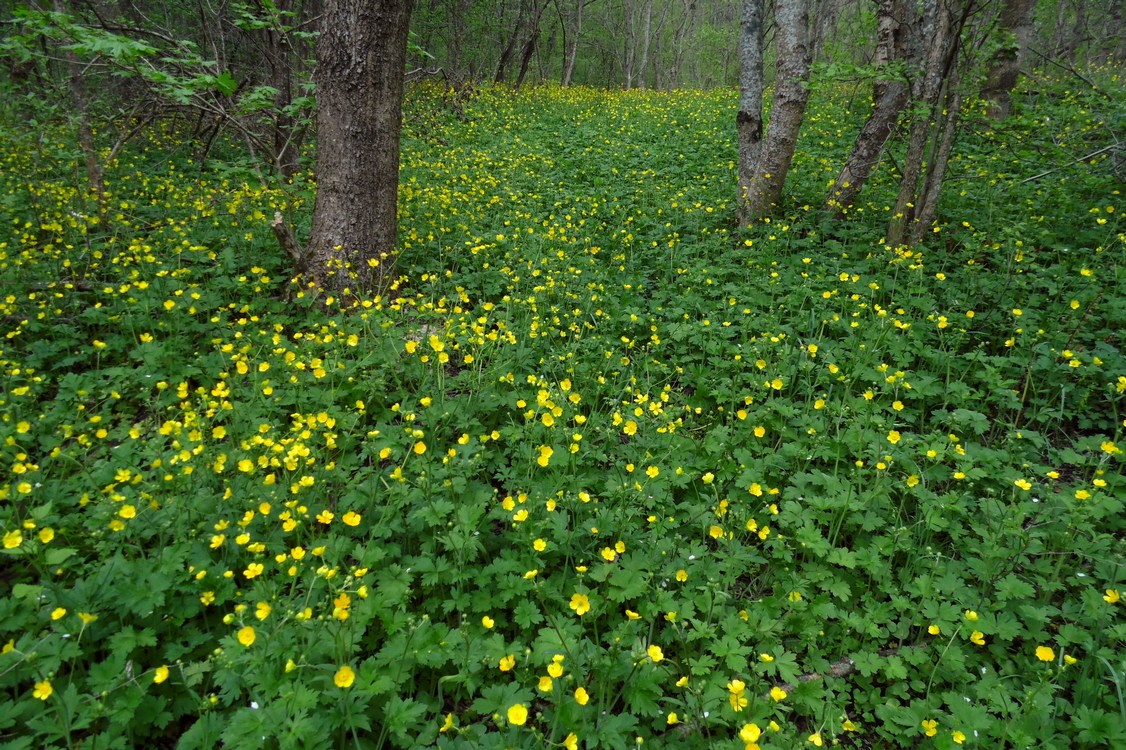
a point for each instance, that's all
(488, 622)
(546, 684)
(1023, 484)
(58, 613)
(934, 630)
(448, 724)
(655, 653)
(1112, 596)
(262, 611)
(750, 733)
(344, 677)
(738, 698)
(815, 738)
(246, 636)
(893, 437)
(580, 603)
(672, 719)
(161, 674)
(351, 518)
(778, 694)
(958, 737)
(517, 714)
(978, 637)
(1044, 653)
(581, 696)
(43, 690)
(930, 727)
(971, 615)
(571, 742)
(507, 662)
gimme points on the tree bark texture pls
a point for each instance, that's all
(1015, 24)
(748, 119)
(934, 119)
(889, 99)
(361, 55)
(76, 80)
(766, 177)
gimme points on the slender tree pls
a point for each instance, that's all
(889, 97)
(763, 175)
(361, 54)
(1014, 24)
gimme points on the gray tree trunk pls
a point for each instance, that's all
(748, 119)
(889, 99)
(765, 178)
(1015, 23)
(361, 54)
(572, 43)
(936, 103)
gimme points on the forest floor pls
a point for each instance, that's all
(601, 468)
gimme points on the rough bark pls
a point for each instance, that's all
(361, 54)
(935, 116)
(529, 48)
(510, 46)
(1015, 24)
(76, 80)
(287, 136)
(766, 177)
(571, 43)
(748, 119)
(889, 99)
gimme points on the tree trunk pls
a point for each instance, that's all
(76, 80)
(361, 54)
(646, 37)
(572, 42)
(767, 176)
(932, 128)
(530, 43)
(279, 64)
(889, 99)
(510, 46)
(748, 119)
(1015, 23)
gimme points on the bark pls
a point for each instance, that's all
(279, 62)
(646, 37)
(1015, 23)
(748, 119)
(889, 99)
(458, 10)
(76, 80)
(531, 42)
(510, 46)
(794, 58)
(571, 44)
(361, 54)
(936, 103)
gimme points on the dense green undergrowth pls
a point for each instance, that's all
(601, 470)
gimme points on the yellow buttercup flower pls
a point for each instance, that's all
(344, 677)
(517, 714)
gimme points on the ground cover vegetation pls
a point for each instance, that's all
(601, 469)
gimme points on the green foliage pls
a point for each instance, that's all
(600, 467)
